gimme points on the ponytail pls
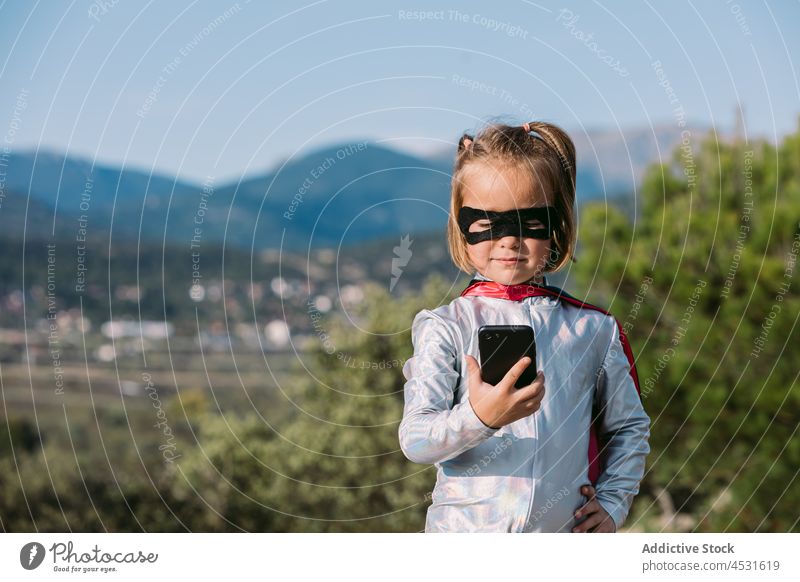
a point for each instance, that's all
(560, 142)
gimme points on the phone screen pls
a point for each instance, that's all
(502, 346)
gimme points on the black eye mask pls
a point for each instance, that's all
(511, 222)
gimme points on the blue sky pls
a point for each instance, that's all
(226, 89)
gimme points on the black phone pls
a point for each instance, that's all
(502, 346)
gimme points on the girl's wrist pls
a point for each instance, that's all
(486, 424)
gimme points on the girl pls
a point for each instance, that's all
(527, 459)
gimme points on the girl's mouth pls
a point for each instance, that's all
(508, 261)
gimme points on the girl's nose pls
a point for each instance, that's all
(509, 241)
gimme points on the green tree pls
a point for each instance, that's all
(711, 259)
(334, 464)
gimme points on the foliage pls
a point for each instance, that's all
(712, 328)
(335, 465)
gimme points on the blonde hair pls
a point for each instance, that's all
(548, 157)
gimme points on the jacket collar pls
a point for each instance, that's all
(485, 287)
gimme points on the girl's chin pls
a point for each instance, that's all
(512, 275)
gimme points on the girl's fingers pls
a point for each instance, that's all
(532, 403)
(597, 517)
(473, 371)
(532, 390)
(608, 525)
(587, 524)
(590, 506)
(534, 396)
(599, 522)
(514, 373)
(531, 393)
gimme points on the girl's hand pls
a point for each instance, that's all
(500, 405)
(597, 520)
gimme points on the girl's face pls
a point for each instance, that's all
(499, 188)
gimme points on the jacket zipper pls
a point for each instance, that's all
(531, 306)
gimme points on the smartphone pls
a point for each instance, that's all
(502, 346)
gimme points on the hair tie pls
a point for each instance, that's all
(467, 142)
(527, 127)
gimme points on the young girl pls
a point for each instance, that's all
(522, 459)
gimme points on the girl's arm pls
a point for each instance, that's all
(625, 430)
(432, 429)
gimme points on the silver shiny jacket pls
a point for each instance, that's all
(525, 476)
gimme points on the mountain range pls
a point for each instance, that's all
(327, 198)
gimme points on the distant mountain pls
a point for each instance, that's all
(330, 197)
(24, 218)
(338, 195)
(72, 187)
(615, 163)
